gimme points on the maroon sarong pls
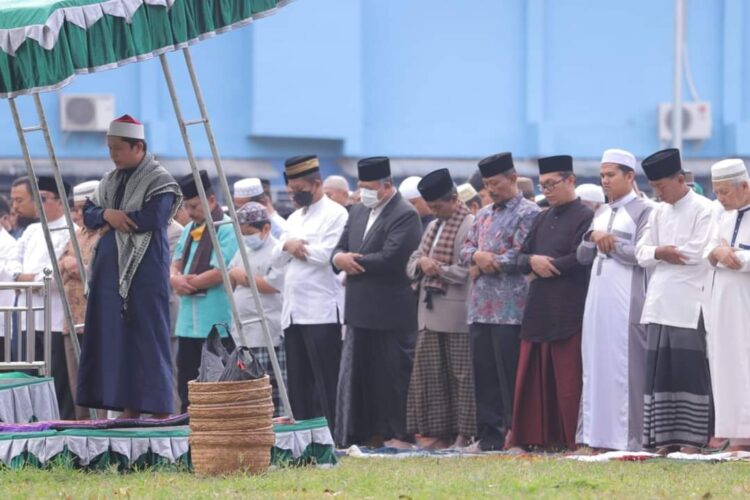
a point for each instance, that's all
(548, 393)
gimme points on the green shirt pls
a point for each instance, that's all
(198, 313)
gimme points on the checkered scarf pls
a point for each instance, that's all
(443, 251)
(148, 180)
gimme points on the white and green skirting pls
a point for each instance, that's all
(306, 443)
(24, 398)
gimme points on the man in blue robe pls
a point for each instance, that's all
(125, 360)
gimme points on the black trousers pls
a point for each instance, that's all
(381, 363)
(59, 370)
(189, 362)
(313, 356)
(495, 353)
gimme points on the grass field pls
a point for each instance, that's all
(407, 478)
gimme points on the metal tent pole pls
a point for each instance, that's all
(68, 219)
(232, 214)
(21, 131)
(679, 37)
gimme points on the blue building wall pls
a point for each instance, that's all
(437, 79)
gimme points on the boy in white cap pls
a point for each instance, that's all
(614, 342)
(259, 241)
(125, 360)
(728, 252)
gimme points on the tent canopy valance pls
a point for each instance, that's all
(45, 43)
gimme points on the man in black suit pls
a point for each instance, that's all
(380, 311)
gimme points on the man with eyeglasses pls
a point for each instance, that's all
(33, 258)
(548, 381)
(497, 297)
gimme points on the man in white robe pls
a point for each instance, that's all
(728, 252)
(614, 342)
(677, 400)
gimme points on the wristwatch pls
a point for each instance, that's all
(16, 275)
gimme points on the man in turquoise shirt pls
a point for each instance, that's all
(195, 277)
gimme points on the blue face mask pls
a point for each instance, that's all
(253, 241)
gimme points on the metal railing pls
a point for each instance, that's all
(26, 358)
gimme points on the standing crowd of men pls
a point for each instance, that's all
(430, 315)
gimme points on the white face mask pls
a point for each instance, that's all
(253, 241)
(369, 197)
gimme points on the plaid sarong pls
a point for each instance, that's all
(441, 401)
(261, 354)
(443, 250)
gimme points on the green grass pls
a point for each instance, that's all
(407, 478)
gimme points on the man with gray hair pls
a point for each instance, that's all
(380, 311)
(336, 188)
(259, 241)
(728, 252)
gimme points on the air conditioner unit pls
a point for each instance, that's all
(696, 121)
(86, 112)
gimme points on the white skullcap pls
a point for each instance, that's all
(127, 126)
(619, 156)
(591, 193)
(730, 169)
(84, 191)
(539, 197)
(408, 188)
(248, 188)
(337, 182)
(466, 192)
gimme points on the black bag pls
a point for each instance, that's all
(218, 365)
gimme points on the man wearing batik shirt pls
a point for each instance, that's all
(497, 299)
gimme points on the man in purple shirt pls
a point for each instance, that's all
(497, 299)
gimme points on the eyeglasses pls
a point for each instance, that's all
(550, 185)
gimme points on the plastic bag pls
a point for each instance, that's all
(218, 365)
(214, 356)
(242, 365)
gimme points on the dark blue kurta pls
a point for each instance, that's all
(125, 362)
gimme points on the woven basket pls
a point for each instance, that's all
(230, 411)
(223, 452)
(224, 396)
(219, 461)
(231, 426)
(196, 387)
(260, 437)
(247, 424)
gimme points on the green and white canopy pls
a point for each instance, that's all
(45, 43)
